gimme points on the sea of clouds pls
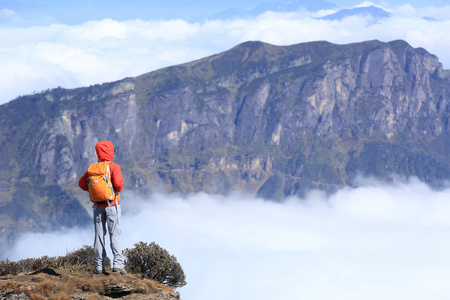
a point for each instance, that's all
(373, 241)
(36, 58)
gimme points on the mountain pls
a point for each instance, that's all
(261, 119)
(281, 6)
(376, 13)
(293, 5)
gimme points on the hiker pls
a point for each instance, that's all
(106, 212)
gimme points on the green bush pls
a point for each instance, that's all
(154, 262)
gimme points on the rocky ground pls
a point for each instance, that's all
(64, 284)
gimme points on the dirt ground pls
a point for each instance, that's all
(64, 284)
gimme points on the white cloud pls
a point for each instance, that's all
(370, 3)
(406, 10)
(7, 13)
(375, 241)
(98, 30)
(439, 13)
(36, 58)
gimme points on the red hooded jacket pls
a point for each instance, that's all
(105, 152)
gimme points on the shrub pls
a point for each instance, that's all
(7, 267)
(82, 259)
(154, 262)
(149, 260)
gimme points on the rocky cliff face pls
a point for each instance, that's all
(268, 120)
(279, 120)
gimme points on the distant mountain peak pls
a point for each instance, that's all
(375, 11)
(281, 6)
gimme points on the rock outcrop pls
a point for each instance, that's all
(77, 285)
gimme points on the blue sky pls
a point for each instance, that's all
(45, 44)
(79, 11)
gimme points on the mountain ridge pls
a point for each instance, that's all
(281, 6)
(375, 12)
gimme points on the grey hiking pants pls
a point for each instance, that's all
(107, 216)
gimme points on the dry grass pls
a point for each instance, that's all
(37, 297)
(156, 285)
(61, 296)
(93, 284)
(16, 286)
(93, 297)
(44, 286)
(142, 288)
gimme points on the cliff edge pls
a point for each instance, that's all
(64, 284)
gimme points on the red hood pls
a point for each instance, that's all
(105, 151)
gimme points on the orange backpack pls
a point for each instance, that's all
(99, 182)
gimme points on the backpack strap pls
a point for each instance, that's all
(109, 184)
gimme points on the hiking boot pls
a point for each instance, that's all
(120, 270)
(100, 271)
